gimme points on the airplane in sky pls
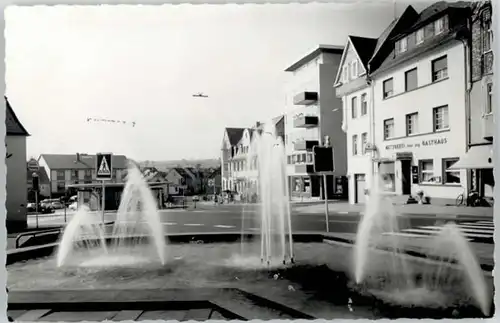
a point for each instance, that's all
(200, 95)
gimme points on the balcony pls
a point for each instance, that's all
(304, 168)
(306, 122)
(305, 145)
(305, 98)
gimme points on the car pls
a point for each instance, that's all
(57, 205)
(73, 206)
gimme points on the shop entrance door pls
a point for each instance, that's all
(406, 176)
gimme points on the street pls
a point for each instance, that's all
(232, 218)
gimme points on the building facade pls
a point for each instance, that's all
(15, 160)
(71, 169)
(478, 160)
(418, 119)
(313, 112)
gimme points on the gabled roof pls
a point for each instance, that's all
(309, 57)
(234, 135)
(407, 18)
(13, 126)
(181, 171)
(71, 161)
(362, 47)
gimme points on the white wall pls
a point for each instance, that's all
(449, 92)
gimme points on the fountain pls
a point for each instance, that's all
(453, 261)
(137, 222)
(266, 170)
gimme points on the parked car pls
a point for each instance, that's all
(73, 206)
(57, 205)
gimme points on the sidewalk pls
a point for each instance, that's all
(417, 209)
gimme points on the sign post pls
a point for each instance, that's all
(324, 164)
(212, 184)
(34, 167)
(104, 171)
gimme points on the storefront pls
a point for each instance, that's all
(422, 163)
(479, 162)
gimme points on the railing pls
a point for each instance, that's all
(35, 233)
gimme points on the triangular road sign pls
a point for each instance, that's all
(103, 168)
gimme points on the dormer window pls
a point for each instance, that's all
(354, 69)
(420, 36)
(345, 73)
(403, 44)
(439, 26)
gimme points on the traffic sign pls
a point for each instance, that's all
(33, 165)
(323, 160)
(104, 166)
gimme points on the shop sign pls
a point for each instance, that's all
(422, 143)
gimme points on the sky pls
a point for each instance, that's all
(141, 65)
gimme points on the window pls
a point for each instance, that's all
(489, 98)
(411, 124)
(61, 186)
(388, 88)
(345, 73)
(487, 36)
(439, 69)
(439, 26)
(450, 176)
(440, 116)
(354, 107)
(74, 173)
(411, 79)
(364, 104)
(403, 44)
(60, 175)
(388, 128)
(364, 139)
(309, 159)
(354, 69)
(420, 36)
(426, 171)
(355, 144)
(88, 172)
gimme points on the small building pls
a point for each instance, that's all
(64, 170)
(15, 160)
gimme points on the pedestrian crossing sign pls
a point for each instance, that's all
(104, 166)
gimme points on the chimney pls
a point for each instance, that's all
(77, 157)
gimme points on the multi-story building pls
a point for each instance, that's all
(481, 108)
(70, 169)
(312, 113)
(15, 160)
(418, 118)
(237, 175)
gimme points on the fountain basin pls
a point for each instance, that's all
(321, 285)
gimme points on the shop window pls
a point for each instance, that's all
(450, 176)
(426, 171)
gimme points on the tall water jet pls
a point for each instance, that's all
(456, 264)
(377, 228)
(450, 260)
(266, 170)
(137, 222)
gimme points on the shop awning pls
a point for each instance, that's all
(478, 157)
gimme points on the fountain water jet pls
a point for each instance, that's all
(137, 221)
(453, 260)
(266, 171)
